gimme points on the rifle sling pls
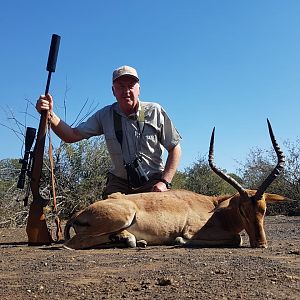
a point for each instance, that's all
(51, 166)
(118, 124)
(58, 232)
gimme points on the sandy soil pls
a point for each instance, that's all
(154, 272)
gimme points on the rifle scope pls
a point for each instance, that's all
(29, 139)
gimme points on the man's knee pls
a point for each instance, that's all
(114, 184)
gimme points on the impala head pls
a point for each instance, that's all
(252, 203)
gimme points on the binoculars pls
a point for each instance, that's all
(135, 173)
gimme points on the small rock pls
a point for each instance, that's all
(164, 281)
(220, 272)
(292, 277)
(297, 252)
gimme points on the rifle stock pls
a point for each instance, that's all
(36, 229)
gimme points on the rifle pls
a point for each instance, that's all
(36, 229)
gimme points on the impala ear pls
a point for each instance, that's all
(276, 198)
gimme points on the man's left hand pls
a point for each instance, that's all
(160, 187)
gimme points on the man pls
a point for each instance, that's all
(135, 133)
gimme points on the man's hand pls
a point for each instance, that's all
(61, 129)
(170, 169)
(45, 102)
(159, 187)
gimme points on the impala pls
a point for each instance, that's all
(178, 216)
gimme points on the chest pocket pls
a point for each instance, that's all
(150, 135)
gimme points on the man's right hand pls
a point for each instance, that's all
(61, 129)
(45, 102)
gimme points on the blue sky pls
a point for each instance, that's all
(229, 64)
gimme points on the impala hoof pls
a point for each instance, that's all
(67, 248)
(141, 243)
(130, 241)
(180, 241)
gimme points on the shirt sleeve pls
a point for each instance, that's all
(92, 126)
(169, 136)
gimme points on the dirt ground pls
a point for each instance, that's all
(154, 272)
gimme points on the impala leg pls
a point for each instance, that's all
(124, 237)
(233, 241)
(83, 241)
(129, 239)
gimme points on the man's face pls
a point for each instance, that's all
(126, 89)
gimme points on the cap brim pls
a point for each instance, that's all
(128, 75)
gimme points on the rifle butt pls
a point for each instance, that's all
(36, 229)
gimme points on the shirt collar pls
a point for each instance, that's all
(136, 115)
(133, 116)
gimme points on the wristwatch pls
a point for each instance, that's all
(168, 184)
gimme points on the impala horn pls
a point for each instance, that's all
(219, 172)
(277, 170)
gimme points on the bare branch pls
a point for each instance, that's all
(14, 131)
(90, 110)
(65, 100)
(82, 108)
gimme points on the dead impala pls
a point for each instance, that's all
(178, 216)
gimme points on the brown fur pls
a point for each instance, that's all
(176, 215)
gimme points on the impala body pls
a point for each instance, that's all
(177, 216)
